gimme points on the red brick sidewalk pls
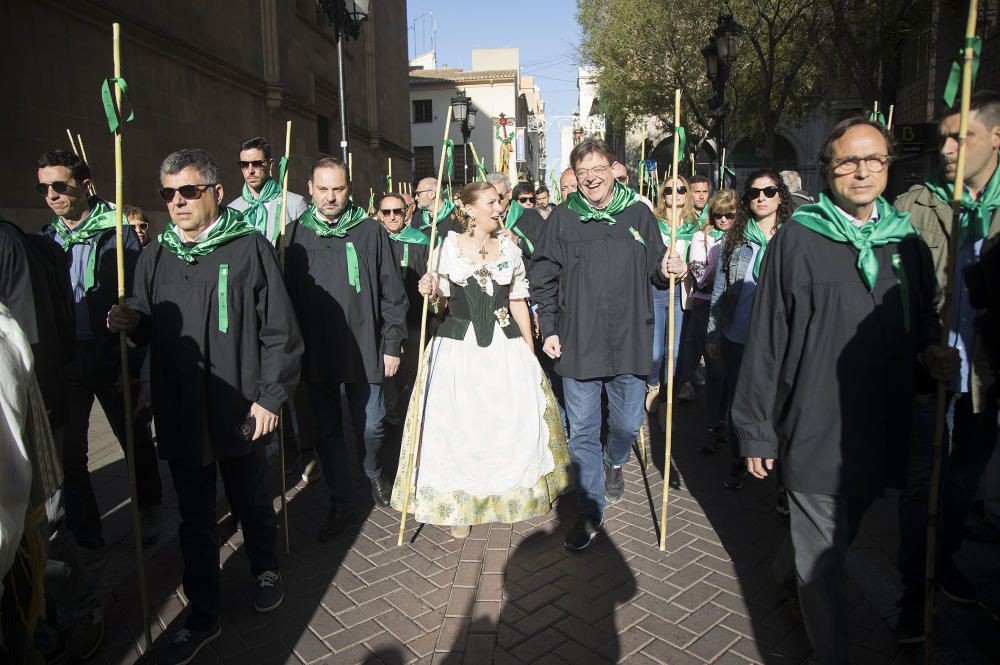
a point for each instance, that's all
(515, 595)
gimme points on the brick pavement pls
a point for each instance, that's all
(512, 594)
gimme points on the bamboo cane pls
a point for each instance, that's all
(475, 157)
(875, 109)
(281, 261)
(72, 143)
(668, 424)
(83, 156)
(946, 314)
(722, 170)
(419, 385)
(123, 348)
(350, 166)
(642, 162)
(888, 124)
(390, 174)
(694, 164)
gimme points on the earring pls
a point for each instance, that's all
(472, 223)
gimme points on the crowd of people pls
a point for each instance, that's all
(814, 325)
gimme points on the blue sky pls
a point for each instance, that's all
(545, 31)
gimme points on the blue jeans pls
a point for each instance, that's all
(367, 409)
(660, 323)
(626, 396)
(971, 445)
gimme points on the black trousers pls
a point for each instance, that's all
(247, 488)
(88, 377)
(822, 529)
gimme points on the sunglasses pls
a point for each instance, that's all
(388, 212)
(59, 187)
(257, 164)
(669, 191)
(188, 192)
(769, 192)
(525, 199)
(140, 226)
(723, 215)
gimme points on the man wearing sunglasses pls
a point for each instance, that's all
(409, 249)
(349, 296)
(974, 426)
(592, 267)
(425, 196)
(137, 219)
(261, 195)
(225, 353)
(85, 229)
(843, 316)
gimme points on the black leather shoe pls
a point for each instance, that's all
(583, 532)
(381, 491)
(334, 524)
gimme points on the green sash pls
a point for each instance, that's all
(622, 198)
(256, 213)
(891, 226)
(425, 215)
(348, 219)
(978, 214)
(100, 219)
(230, 226)
(513, 217)
(753, 233)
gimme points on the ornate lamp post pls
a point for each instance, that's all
(464, 113)
(346, 17)
(720, 53)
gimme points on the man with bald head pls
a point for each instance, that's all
(833, 378)
(348, 295)
(567, 183)
(425, 195)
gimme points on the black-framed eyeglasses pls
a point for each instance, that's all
(188, 192)
(59, 187)
(388, 212)
(723, 215)
(256, 163)
(526, 199)
(754, 192)
(849, 165)
(669, 191)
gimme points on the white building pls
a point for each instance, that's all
(503, 99)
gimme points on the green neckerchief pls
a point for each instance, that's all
(348, 219)
(411, 236)
(622, 198)
(425, 215)
(513, 217)
(256, 213)
(976, 220)
(825, 219)
(231, 225)
(100, 219)
(753, 233)
(703, 216)
(716, 233)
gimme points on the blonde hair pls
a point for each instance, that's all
(663, 208)
(724, 200)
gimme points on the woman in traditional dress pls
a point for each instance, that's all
(492, 447)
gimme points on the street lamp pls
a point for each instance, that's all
(720, 53)
(464, 112)
(346, 17)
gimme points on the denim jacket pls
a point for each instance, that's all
(726, 289)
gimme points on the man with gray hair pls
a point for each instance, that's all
(225, 351)
(502, 184)
(793, 181)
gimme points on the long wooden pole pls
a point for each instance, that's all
(942, 397)
(123, 348)
(281, 260)
(72, 143)
(390, 174)
(475, 157)
(668, 425)
(722, 170)
(350, 166)
(83, 156)
(888, 124)
(413, 457)
(642, 163)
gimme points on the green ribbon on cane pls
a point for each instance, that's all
(955, 77)
(682, 141)
(449, 158)
(110, 110)
(878, 117)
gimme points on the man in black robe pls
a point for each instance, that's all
(349, 297)
(425, 196)
(843, 311)
(410, 251)
(225, 353)
(84, 228)
(593, 265)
